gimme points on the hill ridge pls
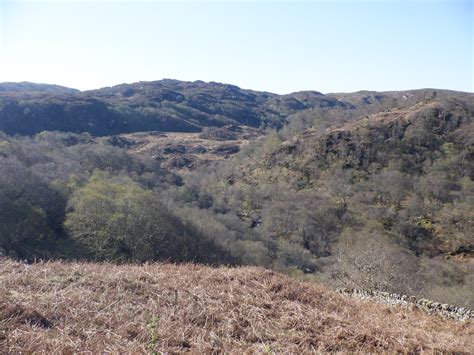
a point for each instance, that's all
(176, 106)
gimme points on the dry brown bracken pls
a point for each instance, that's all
(65, 307)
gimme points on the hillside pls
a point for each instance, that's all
(383, 201)
(76, 307)
(183, 152)
(165, 105)
(360, 190)
(178, 106)
(391, 99)
(25, 86)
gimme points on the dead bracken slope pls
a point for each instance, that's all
(66, 307)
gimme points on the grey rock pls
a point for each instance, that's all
(431, 307)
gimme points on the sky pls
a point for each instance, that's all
(276, 46)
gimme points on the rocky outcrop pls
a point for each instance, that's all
(165, 105)
(226, 149)
(121, 142)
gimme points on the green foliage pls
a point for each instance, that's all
(108, 218)
(153, 334)
(116, 219)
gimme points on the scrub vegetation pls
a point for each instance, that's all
(363, 190)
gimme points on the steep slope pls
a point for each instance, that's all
(34, 112)
(382, 202)
(165, 105)
(180, 106)
(430, 140)
(213, 103)
(77, 307)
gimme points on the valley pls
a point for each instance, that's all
(284, 197)
(245, 176)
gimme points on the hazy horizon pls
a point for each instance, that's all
(274, 46)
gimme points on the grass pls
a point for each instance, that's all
(73, 307)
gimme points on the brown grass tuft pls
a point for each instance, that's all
(65, 307)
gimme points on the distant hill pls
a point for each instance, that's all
(91, 307)
(26, 86)
(175, 106)
(375, 101)
(165, 105)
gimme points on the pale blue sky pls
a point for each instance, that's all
(277, 46)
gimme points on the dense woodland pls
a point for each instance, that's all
(373, 190)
